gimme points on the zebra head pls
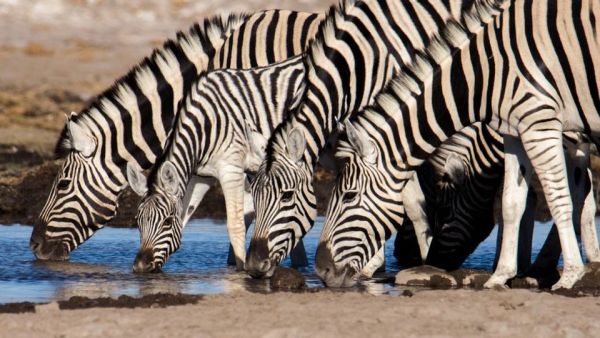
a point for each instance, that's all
(285, 204)
(82, 199)
(364, 210)
(158, 217)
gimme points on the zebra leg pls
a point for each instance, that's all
(584, 204)
(232, 179)
(194, 193)
(514, 199)
(248, 219)
(545, 150)
(414, 205)
(526, 234)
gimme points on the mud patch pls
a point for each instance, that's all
(159, 300)
(155, 300)
(287, 279)
(470, 278)
(426, 276)
(17, 307)
(588, 285)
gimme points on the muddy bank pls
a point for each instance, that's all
(24, 190)
(408, 283)
(78, 302)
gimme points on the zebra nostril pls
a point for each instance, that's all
(34, 245)
(265, 265)
(144, 262)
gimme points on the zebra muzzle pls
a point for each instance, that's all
(48, 250)
(328, 271)
(144, 262)
(258, 263)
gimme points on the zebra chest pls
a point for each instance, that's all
(228, 154)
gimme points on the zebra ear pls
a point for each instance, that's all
(81, 141)
(363, 144)
(168, 178)
(137, 180)
(296, 144)
(454, 168)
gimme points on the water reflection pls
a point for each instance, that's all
(102, 266)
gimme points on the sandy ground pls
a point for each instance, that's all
(456, 313)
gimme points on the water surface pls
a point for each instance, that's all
(101, 267)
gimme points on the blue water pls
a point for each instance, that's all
(101, 267)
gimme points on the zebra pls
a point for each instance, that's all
(460, 199)
(460, 181)
(356, 51)
(499, 65)
(224, 110)
(129, 122)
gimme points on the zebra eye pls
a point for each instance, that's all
(63, 184)
(287, 196)
(167, 223)
(350, 196)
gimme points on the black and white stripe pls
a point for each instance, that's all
(220, 133)
(129, 123)
(356, 51)
(509, 64)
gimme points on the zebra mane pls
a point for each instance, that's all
(443, 46)
(201, 35)
(314, 49)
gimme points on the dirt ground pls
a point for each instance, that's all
(451, 313)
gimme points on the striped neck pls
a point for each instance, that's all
(131, 120)
(352, 59)
(433, 99)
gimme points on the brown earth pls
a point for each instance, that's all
(449, 313)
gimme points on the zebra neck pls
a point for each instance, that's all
(344, 74)
(131, 120)
(433, 99)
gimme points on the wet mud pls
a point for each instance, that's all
(159, 300)
(432, 278)
(287, 279)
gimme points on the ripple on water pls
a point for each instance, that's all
(101, 267)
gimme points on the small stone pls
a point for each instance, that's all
(287, 279)
(426, 276)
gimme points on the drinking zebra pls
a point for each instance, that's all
(220, 133)
(509, 64)
(355, 52)
(129, 122)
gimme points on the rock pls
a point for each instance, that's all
(471, 278)
(524, 283)
(426, 276)
(287, 279)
